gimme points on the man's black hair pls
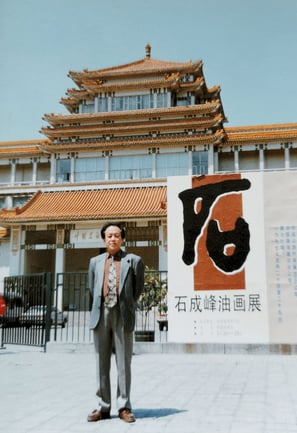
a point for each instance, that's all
(111, 223)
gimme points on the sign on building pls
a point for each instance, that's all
(232, 258)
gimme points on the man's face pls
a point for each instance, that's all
(113, 239)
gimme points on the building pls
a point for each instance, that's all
(127, 129)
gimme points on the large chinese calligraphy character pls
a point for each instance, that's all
(216, 236)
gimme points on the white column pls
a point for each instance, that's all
(34, 172)
(168, 99)
(287, 157)
(12, 171)
(154, 168)
(236, 160)
(190, 163)
(96, 104)
(8, 202)
(261, 159)
(59, 260)
(163, 247)
(22, 252)
(107, 166)
(109, 103)
(15, 251)
(72, 168)
(53, 169)
(59, 264)
(211, 160)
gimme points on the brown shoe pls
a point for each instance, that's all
(126, 415)
(98, 415)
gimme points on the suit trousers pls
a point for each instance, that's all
(108, 335)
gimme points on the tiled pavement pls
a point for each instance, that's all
(53, 392)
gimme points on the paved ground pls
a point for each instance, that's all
(53, 392)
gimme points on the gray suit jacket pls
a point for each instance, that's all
(130, 287)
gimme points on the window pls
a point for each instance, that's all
(19, 201)
(136, 102)
(147, 101)
(183, 101)
(23, 174)
(174, 164)
(188, 78)
(161, 100)
(117, 104)
(43, 172)
(200, 163)
(130, 167)
(63, 170)
(5, 173)
(102, 105)
(88, 107)
(89, 169)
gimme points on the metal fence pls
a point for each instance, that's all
(72, 296)
(66, 309)
(27, 318)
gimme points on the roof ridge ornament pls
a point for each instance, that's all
(148, 51)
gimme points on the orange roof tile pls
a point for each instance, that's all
(3, 232)
(125, 203)
(206, 108)
(21, 143)
(177, 140)
(21, 148)
(143, 66)
(140, 127)
(19, 151)
(263, 127)
(261, 133)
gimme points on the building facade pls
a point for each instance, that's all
(128, 129)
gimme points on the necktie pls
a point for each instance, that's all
(111, 298)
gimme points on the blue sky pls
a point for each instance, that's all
(247, 47)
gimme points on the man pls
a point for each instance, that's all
(116, 280)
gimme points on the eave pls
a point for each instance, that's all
(261, 134)
(170, 141)
(136, 128)
(142, 68)
(179, 111)
(89, 90)
(21, 149)
(88, 205)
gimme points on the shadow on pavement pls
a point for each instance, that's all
(156, 413)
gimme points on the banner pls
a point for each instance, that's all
(232, 258)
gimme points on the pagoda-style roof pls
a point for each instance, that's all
(230, 136)
(24, 148)
(82, 205)
(168, 81)
(134, 128)
(208, 108)
(193, 124)
(144, 74)
(261, 134)
(195, 115)
(143, 67)
(91, 145)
